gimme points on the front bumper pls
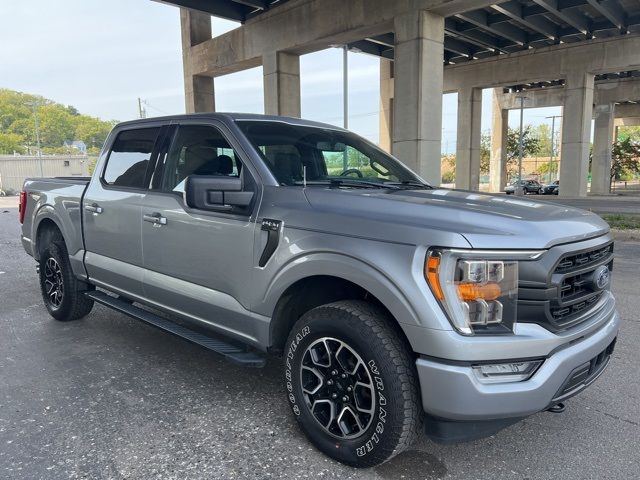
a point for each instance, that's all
(450, 390)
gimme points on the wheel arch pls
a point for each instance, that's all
(313, 291)
(47, 229)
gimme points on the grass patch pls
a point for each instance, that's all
(623, 221)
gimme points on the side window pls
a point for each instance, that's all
(129, 158)
(198, 150)
(285, 161)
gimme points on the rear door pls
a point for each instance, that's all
(199, 263)
(112, 210)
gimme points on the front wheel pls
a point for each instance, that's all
(352, 383)
(62, 292)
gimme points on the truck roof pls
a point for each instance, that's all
(233, 117)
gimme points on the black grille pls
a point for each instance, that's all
(583, 259)
(562, 315)
(586, 373)
(560, 299)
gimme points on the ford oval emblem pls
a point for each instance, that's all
(601, 277)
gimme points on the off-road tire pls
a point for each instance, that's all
(74, 304)
(397, 415)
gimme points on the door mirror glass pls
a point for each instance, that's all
(209, 192)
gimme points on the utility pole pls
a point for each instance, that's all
(553, 139)
(141, 111)
(519, 190)
(35, 106)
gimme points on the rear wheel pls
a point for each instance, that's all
(62, 292)
(352, 384)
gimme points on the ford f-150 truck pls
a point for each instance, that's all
(393, 304)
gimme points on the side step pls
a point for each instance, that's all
(233, 353)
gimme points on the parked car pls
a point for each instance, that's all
(551, 189)
(528, 186)
(392, 303)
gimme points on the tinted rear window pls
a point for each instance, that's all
(129, 158)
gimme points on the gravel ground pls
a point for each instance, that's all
(109, 397)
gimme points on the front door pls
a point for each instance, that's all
(198, 264)
(112, 217)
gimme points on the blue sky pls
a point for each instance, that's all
(101, 56)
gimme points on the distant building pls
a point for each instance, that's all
(77, 144)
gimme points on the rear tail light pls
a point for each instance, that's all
(22, 207)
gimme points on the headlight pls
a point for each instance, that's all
(478, 290)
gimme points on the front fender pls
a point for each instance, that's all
(345, 267)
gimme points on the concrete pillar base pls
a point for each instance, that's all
(576, 133)
(386, 104)
(602, 142)
(281, 71)
(468, 139)
(499, 135)
(199, 94)
(417, 104)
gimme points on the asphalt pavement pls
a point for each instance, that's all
(609, 204)
(109, 397)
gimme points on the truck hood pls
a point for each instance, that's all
(486, 221)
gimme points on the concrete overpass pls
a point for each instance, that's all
(427, 48)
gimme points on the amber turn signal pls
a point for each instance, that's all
(431, 274)
(473, 291)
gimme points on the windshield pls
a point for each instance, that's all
(324, 155)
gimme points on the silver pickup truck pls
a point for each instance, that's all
(393, 304)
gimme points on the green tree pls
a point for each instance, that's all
(485, 152)
(57, 122)
(16, 112)
(545, 168)
(449, 162)
(625, 159)
(625, 132)
(92, 131)
(543, 133)
(11, 142)
(530, 146)
(56, 125)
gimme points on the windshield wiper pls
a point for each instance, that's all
(410, 184)
(348, 182)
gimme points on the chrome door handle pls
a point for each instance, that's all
(93, 208)
(155, 218)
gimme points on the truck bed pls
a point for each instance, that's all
(60, 180)
(58, 200)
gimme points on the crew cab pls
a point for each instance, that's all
(393, 303)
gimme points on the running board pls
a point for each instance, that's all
(233, 353)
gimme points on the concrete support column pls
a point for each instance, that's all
(468, 139)
(417, 102)
(576, 133)
(198, 89)
(499, 133)
(386, 104)
(281, 72)
(602, 142)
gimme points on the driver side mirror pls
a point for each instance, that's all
(209, 192)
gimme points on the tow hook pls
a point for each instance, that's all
(557, 408)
